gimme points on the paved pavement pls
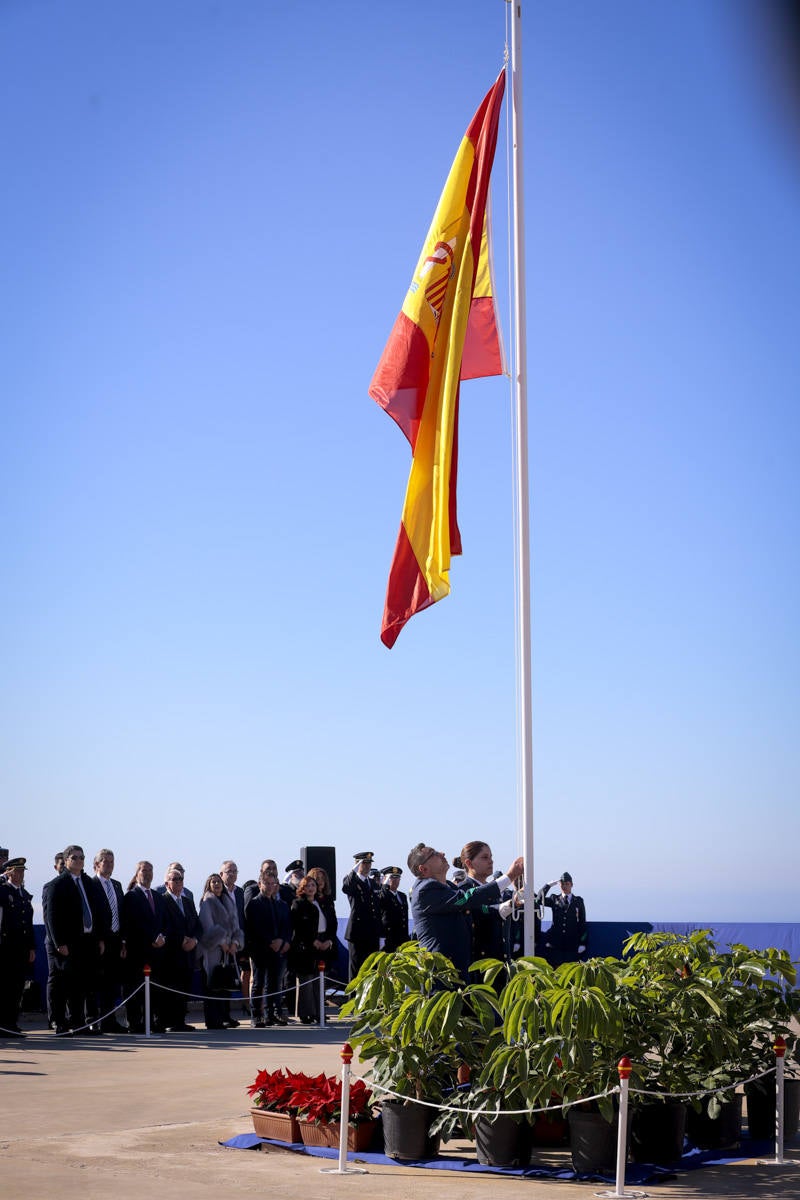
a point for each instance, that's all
(113, 1116)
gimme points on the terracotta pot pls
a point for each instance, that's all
(359, 1136)
(277, 1126)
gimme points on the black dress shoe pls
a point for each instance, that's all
(259, 1023)
(93, 1031)
(63, 1031)
(231, 1023)
(280, 1019)
(182, 1028)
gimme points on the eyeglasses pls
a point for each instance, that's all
(429, 855)
(76, 857)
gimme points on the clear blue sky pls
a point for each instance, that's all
(210, 214)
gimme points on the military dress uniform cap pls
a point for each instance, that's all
(295, 865)
(565, 878)
(364, 855)
(392, 871)
(13, 862)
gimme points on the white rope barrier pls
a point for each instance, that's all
(463, 1109)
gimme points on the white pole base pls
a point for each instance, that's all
(616, 1195)
(343, 1171)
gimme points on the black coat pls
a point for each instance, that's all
(177, 926)
(303, 957)
(394, 917)
(141, 925)
(265, 919)
(65, 910)
(364, 924)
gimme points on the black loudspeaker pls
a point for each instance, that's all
(321, 856)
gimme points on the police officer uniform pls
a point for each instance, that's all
(16, 946)
(567, 937)
(363, 932)
(393, 907)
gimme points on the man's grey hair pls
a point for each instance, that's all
(416, 856)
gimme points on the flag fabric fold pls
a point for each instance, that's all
(446, 331)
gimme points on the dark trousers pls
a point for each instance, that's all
(176, 975)
(360, 952)
(266, 986)
(13, 970)
(109, 979)
(79, 970)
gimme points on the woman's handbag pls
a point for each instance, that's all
(224, 977)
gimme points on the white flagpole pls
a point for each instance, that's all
(523, 531)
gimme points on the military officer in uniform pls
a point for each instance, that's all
(567, 937)
(363, 932)
(16, 943)
(393, 905)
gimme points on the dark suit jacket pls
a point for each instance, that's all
(265, 919)
(141, 926)
(364, 924)
(238, 895)
(118, 892)
(177, 926)
(65, 910)
(394, 917)
(568, 930)
(441, 917)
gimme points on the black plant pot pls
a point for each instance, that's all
(503, 1142)
(658, 1131)
(724, 1130)
(761, 1108)
(406, 1131)
(593, 1141)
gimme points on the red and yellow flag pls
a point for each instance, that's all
(446, 331)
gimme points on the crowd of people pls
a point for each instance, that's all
(263, 938)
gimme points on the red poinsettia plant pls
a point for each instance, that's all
(315, 1098)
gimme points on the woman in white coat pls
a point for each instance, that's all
(220, 941)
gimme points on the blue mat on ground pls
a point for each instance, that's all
(635, 1173)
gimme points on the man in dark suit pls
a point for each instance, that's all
(55, 977)
(393, 905)
(77, 929)
(17, 948)
(109, 983)
(144, 931)
(182, 931)
(567, 938)
(441, 910)
(268, 933)
(363, 931)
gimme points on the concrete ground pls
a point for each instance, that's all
(118, 1115)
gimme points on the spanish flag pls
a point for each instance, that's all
(446, 331)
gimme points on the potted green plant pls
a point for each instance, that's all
(419, 1026)
(714, 1016)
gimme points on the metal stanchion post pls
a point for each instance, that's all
(624, 1068)
(343, 1169)
(321, 994)
(780, 1050)
(147, 1001)
(779, 1046)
